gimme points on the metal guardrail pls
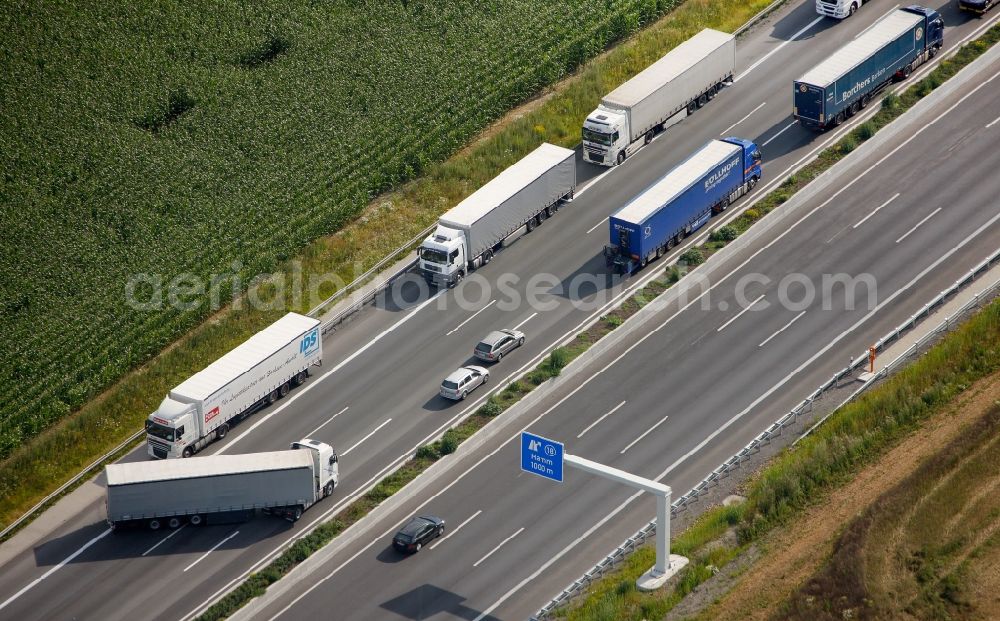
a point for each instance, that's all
(775, 430)
(370, 296)
(62, 488)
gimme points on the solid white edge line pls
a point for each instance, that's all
(993, 122)
(725, 131)
(778, 49)
(454, 530)
(68, 559)
(783, 328)
(875, 211)
(370, 434)
(653, 273)
(212, 549)
(328, 421)
(530, 317)
(918, 224)
(593, 424)
(732, 420)
(157, 544)
(740, 314)
(499, 545)
(644, 434)
(298, 393)
(459, 326)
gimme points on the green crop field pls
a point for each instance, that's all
(167, 138)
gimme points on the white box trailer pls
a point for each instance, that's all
(258, 372)
(660, 95)
(470, 233)
(220, 488)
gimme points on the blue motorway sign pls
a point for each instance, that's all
(542, 456)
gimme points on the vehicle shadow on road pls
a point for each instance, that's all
(391, 555)
(428, 600)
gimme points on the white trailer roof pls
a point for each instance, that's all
(876, 37)
(212, 465)
(507, 184)
(246, 356)
(673, 64)
(676, 181)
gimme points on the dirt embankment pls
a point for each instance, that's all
(913, 536)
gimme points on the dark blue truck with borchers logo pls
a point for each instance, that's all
(844, 83)
(681, 202)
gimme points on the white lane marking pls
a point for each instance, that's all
(644, 434)
(778, 49)
(68, 559)
(459, 326)
(593, 228)
(740, 314)
(781, 131)
(553, 559)
(783, 328)
(993, 122)
(875, 22)
(455, 530)
(301, 391)
(723, 132)
(157, 544)
(370, 434)
(525, 321)
(212, 549)
(875, 211)
(926, 218)
(500, 545)
(309, 435)
(591, 425)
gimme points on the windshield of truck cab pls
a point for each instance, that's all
(434, 256)
(164, 433)
(598, 137)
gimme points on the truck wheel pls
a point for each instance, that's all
(299, 378)
(691, 108)
(328, 489)
(621, 157)
(174, 522)
(649, 136)
(155, 525)
(839, 119)
(864, 100)
(297, 513)
(271, 398)
(487, 256)
(753, 182)
(196, 520)
(529, 225)
(187, 452)
(854, 7)
(221, 432)
(283, 389)
(702, 99)
(659, 252)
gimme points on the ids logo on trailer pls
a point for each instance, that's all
(310, 342)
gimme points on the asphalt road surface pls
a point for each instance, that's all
(375, 399)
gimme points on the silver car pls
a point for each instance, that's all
(498, 344)
(462, 381)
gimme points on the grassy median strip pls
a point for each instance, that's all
(46, 461)
(856, 435)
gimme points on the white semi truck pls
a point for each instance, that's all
(256, 373)
(662, 94)
(469, 234)
(220, 488)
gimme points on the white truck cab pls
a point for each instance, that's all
(838, 9)
(606, 137)
(442, 256)
(325, 464)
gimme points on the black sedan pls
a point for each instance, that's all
(417, 533)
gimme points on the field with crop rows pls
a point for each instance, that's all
(165, 138)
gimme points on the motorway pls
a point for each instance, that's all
(683, 396)
(375, 398)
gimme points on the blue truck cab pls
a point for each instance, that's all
(846, 81)
(681, 202)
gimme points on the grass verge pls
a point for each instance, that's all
(42, 464)
(851, 438)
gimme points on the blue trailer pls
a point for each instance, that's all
(845, 82)
(681, 202)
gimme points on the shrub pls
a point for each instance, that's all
(612, 320)
(847, 144)
(448, 443)
(866, 130)
(491, 408)
(693, 256)
(725, 234)
(890, 101)
(557, 360)
(427, 451)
